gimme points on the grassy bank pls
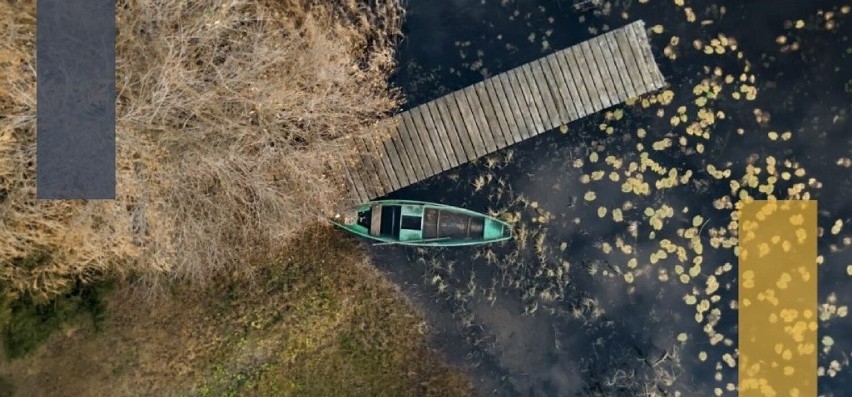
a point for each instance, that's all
(317, 320)
(231, 118)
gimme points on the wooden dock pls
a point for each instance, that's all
(503, 110)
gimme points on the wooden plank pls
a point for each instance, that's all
(578, 97)
(530, 89)
(393, 155)
(375, 157)
(531, 108)
(483, 125)
(417, 139)
(518, 106)
(498, 95)
(411, 150)
(354, 194)
(399, 146)
(435, 124)
(353, 161)
(546, 80)
(512, 77)
(369, 171)
(446, 117)
(438, 131)
(375, 219)
(603, 70)
(427, 137)
(384, 161)
(387, 160)
(620, 66)
(381, 164)
(355, 187)
(461, 123)
(498, 104)
(542, 93)
(634, 44)
(612, 57)
(359, 172)
(597, 81)
(459, 126)
(496, 126)
(538, 99)
(594, 70)
(620, 93)
(623, 42)
(403, 146)
(494, 132)
(422, 154)
(486, 125)
(470, 123)
(508, 102)
(645, 47)
(584, 79)
(567, 112)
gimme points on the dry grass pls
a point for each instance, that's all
(230, 118)
(322, 322)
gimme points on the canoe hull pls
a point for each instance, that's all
(423, 224)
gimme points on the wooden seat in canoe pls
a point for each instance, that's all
(375, 219)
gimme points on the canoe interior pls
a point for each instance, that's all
(453, 225)
(389, 225)
(419, 223)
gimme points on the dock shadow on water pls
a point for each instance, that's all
(622, 277)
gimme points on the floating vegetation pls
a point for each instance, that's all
(662, 179)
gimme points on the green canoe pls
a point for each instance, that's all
(423, 224)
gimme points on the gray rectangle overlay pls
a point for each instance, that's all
(75, 57)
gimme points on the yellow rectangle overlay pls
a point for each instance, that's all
(778, 298)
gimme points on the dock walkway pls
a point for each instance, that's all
(503, 110)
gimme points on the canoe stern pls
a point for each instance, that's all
(496, 230)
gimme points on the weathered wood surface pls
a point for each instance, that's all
(502, 110)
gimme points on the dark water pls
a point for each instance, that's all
(545, 319)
